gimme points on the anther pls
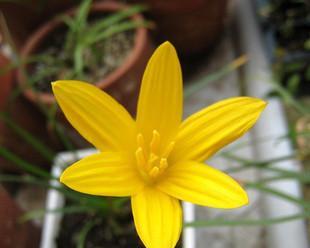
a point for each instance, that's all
(169, 149)
(163, 164)
(140, 140)
(140, 157)
(154, 172)
(152, 159)
(154, 145)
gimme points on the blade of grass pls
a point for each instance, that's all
(302, 178)
(245, 163)
(117, 28)
(45, 151)
(287, 197)
(114, 18)
(27, 167)
(289, 98)
(39, 213)
(247, 222)
(220, 73)
(98, 203)
(84, 231)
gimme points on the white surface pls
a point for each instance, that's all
(272, 124)
(55, 199)
(189, 233)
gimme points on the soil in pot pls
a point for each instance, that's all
(113, 231)
(110, 54)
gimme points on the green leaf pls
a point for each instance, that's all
(117, 28)
(212, 77)
(45, 151)
(27, 167)
(84, 231)
(277, 193)
(293, 83)
(246, 222)
(39, 213)
(109, 21)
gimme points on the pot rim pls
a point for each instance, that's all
(140, 41)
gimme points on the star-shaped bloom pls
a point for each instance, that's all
(156, 159)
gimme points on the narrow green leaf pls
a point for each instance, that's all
(277, 193)
(107, 22)
(84, 231)
(27, 167)
(96, 202)
(212, 77)
(39, 213)
(45, 151)
(246, 222)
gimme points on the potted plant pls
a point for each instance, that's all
(71, 44)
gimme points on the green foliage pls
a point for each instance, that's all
(83, 36)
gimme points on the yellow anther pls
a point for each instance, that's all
(154, 172)
(163, 164)
(154, 145)
(152, 158)
(140, 140)
(169, 149)
(140, 157)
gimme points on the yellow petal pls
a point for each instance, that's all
(207, 131)
(107, 173)
(203, 185)
(96, 115)
(157, 217)
(160, 100)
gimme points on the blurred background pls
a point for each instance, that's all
(227, 48)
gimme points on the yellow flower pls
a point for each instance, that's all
(155, 159)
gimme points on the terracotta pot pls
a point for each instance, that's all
(23, 114)
(13, 233)
(6, 83)
(192, 26)
(123, 83)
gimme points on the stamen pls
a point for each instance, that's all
(140, 157)
(154, 172)
(152, 159)
(140, 140)
(155, 142)
(151, 162)
(169, 149)
(163, 164)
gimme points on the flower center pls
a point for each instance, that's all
(152, 162)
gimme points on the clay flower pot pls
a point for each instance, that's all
(25, 116)
(122, 83)
(13, 233)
